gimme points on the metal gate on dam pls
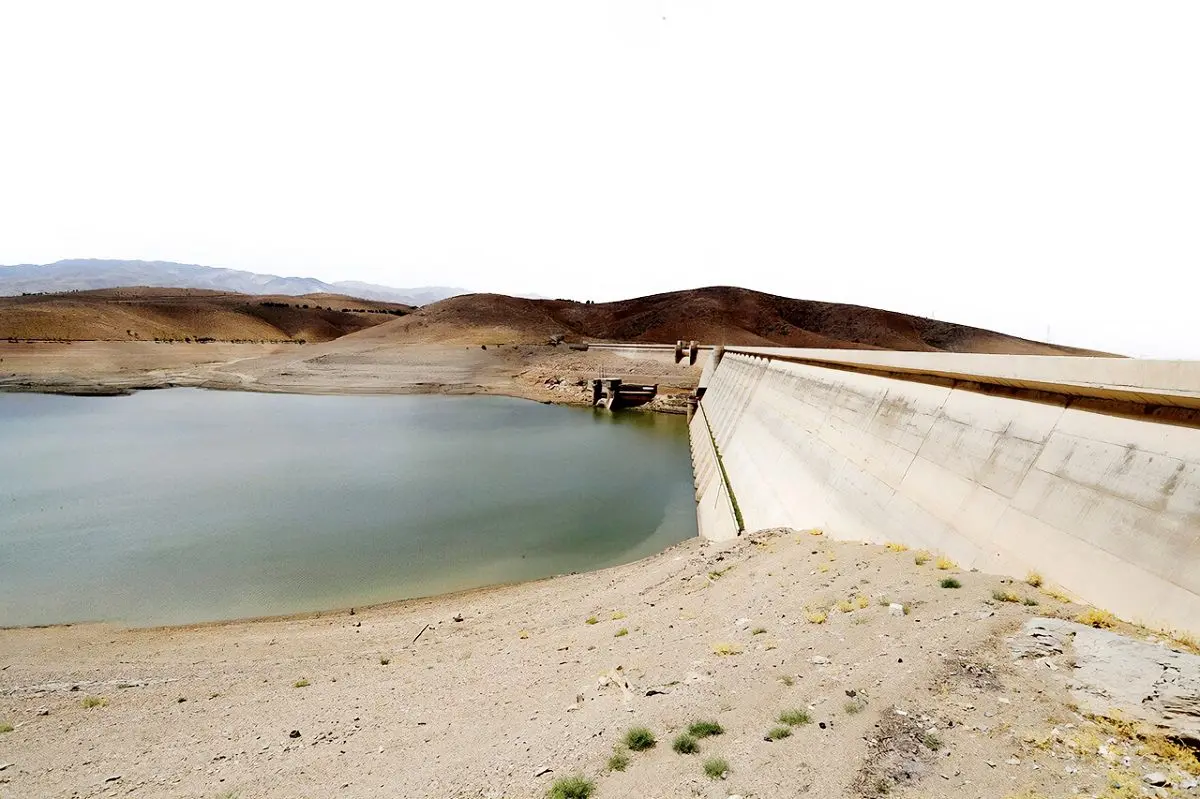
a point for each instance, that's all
(1086, 470)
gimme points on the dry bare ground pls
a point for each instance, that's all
(908, 690)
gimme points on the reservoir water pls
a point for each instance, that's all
(184, 505)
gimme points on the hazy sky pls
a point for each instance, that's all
(1021, 166)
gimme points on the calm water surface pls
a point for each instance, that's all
(187, 505)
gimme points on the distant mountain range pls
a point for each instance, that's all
(89, 273)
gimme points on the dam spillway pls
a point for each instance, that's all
(1085, 470)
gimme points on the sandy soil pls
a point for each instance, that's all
(498, 693)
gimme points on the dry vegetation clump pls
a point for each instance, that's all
(1100, 619)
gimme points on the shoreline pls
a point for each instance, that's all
(462, 594)
(542, 374)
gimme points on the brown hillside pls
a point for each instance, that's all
(146, 314)
(714, 315)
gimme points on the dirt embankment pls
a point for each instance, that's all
(832, 669)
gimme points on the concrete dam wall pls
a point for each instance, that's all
(1086, 470)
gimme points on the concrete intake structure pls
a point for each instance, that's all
(1085, 470)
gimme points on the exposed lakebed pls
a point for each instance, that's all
(185, 505)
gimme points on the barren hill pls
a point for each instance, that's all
(715, 315)
(148, 314)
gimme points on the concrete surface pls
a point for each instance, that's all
(1105, 505)
(714, 510)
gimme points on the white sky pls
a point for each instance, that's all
(1018, 166)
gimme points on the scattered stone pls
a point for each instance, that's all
(112, 778)
(294, 734)
(1157, 779)
(542, 772)
(458, 617)
(43, 712)
(4, 766)
(1013, 761)
(895, 609)
(819, 660)
(1189, 785)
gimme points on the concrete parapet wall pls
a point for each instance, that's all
(1105, 505)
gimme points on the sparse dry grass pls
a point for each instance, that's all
(862, 601)
(1095, 617)
(724, 649)
(1034, 579)
(845, 606)
(758, 631)
(716, 768)
(921, 558)
(621, 633)
(704, 729)
(685, 744)
(816, 616)
(571, 788)
(618, 762)
(795, 717)
(639, 739)
(301, 683)
(893, 546)
(591, 620)
(1055, 593)
(777, 733)
(5, 727)
(1150, 744)
(617, 615)
(90, 702)
(1003, 595)
(945, 563)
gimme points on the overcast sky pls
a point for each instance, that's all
(1031, 167)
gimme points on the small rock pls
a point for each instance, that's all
(895, 609)
(294, 734)
(1013, 761)
(990, 763)
(4, 766)
(112, 778)
(1157, 779)
(819, 660)
(458, 617)
(542, 772)
(1189, 784)
(43, 712)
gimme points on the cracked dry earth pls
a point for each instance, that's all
(910, 689)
